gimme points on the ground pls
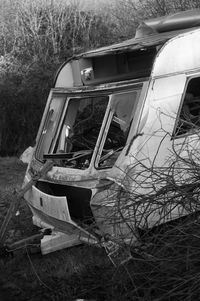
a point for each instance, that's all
(79, 272)
(166, 267)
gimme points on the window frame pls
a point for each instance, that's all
(175, 134)
(138, 89)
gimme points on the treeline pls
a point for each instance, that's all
(36, 36)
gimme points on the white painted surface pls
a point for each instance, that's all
(58, 241)
(51, 205)
(179, 54)
(65, 77)
(26, 156)
(39, 223)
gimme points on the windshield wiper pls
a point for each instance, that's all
(68, 156)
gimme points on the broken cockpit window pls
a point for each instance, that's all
(80, 130)
(50, 125)
(121, 115)
(73, 127)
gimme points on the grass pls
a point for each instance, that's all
(167, 267)
(63, 275)
(11, 173)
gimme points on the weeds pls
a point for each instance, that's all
(164, 266)
(155, 211)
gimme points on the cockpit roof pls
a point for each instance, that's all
(152, 40)
(152, 33)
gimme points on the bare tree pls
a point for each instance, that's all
(127, 14)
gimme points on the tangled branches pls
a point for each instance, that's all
(155, 212)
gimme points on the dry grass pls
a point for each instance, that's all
(166, 266)
(64, 275)
(11, 173)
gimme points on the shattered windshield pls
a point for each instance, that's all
(72, 126)
(50, 125)
(80, 130)
(123, 107)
